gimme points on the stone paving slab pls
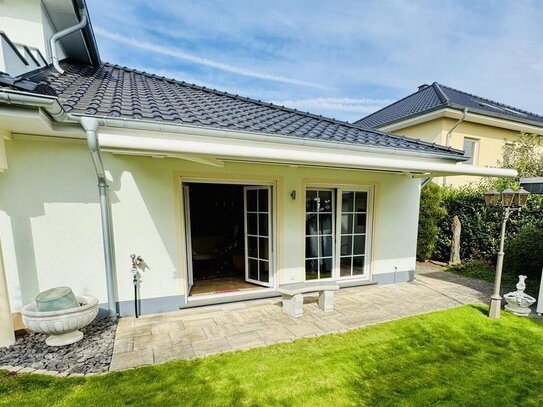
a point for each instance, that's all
(214, 329)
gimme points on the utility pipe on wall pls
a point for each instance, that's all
(90, 125)
(450, 132)
(63, 33)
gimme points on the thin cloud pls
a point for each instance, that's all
(180, 54)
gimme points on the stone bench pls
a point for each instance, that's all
(293, 298)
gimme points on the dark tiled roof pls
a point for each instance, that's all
(114, 91)
(437, 96)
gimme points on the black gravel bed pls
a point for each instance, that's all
(92, 354)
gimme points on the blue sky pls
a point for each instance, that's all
(343, 59)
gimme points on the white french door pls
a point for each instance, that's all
(258, 235)
(337, 236)
(188, 238)
(354, 229)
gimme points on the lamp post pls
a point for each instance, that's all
(508, 201)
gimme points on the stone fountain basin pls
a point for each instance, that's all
(61, 326)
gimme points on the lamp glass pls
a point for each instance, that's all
(521, 196)
(507, 197)
(491, 198)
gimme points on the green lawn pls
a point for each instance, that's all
(457, 357)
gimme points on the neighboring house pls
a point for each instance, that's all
(223, 196)
(440, 114)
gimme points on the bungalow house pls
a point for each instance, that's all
(224, 197)
(440, 114)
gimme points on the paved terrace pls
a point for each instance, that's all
(207, 330)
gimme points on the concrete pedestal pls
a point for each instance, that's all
(293, 305)
(326, 301)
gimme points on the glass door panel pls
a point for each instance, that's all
(319, 234)
(258, 238)
(353, 245)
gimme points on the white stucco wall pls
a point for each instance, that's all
(51, 233)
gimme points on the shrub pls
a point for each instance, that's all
(524, 255)
(431, 212)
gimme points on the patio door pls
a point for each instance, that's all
(188, 237)
(258, 235)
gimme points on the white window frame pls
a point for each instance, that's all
(337, 192)
(475, 141)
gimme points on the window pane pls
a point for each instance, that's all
(345, 266)
(311, 224)
(346, 248)
(326, 246)
(346, 224)
(263, 200)
(264, 272)
(252, 250)
(253, 269)
(361, 201)
(360, 223)
(311, 247)
(358, 265)
(347, 201)
(311, 201)
(469, 150)
(325, 198)
(325, 224)
(251, 224)
(359, 244)
(251, 200)
(263, 252)
(326, 268)
(263, 225)
(311, 269)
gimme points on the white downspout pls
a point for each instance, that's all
(63, 33)
(90, 125)
(450, 132)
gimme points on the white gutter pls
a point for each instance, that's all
(148, 126)
(63, 33)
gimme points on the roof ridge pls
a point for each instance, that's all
(396, 102)
(491, 101)
(440, 94)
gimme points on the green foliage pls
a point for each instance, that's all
(525, 155)
(457, 357)
(431, 212)
(524, 255)
(480, 227)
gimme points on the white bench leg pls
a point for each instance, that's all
(292, 305)
(326, 301)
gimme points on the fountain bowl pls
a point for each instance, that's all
(61, 326)
(519, 305)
